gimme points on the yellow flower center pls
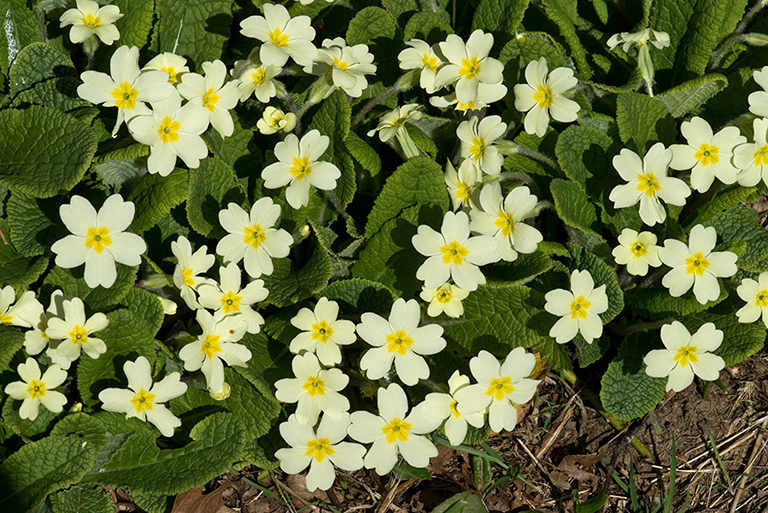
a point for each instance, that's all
(398, 341)
(648, 184)
(259, 76)
(454, 411)
(98, 238)
(761, 299)
(464, 106)
(429, 62)
(186, 273)
(506, 222)
(209, 99)
(761, 156)
(697, 264)
(499, 388)
(685, 355)
(443, 296)
(463, 191)
(470, 68)
(125, 96)
(172, 75)
(340, 64)
(579, 308)
(638, 249)
(211, 346)
(314, 386)
(397, 429)
(319, 449)
(91, 21)
(301, 168)
(78, 335)
(230, 302)
(254, 236)
(36, 389)
(544, 96)
(6, 319)
(277, 38)
(707, 154)
(454, 253)
(169, 130)
(143, 401)
(321, 331)
(477, 150)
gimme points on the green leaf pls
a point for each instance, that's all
(196, 29)
(428, 26)
(147, 307)
(154, 197)
(333, 119)
(556, 355)
(499, 15)
(290, 283)
(626, 391)
(369, 24)
(37, 62)
(573, 206)
(723, 200)
(11, 340)
(82, 499)
(115, 173)
(16, 270)
(20, 28)
(38, 468)
(498, 318)
(740, 341)
(239, 150)
(602, 274)
(521, 271)
(25, 428)
(212, 187)
(135, 25)
(363, 153)
(590, 353)
(644, 121)
(531, 46)
(31, 223)
(60, 92)
(83, 426)
(563, 14)
(690, 96)
(419, 181)
(255, 411)
(464, 502)
(742, 224)
(398, 7)
(43, 151)
(141, 466)
(655, 302)
(72, 283)
(582, 153)
(362, 295)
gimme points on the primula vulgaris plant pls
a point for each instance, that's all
(329, 235)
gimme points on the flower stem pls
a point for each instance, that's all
(374, 102)
(535, 155)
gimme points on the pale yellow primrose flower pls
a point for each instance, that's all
(299, 167)
(758, 101)
(579, 309)
(464, 185)
(499, 387)
(216, 345)
(394, 431)
(126, 87)
(442, 406)
(98, 240)
(707, 155)
(322, 332)
(25, 312)
(320, 450)
(343, 66)
(477, 140)
(252, 237)
(544, 96)
(391, 123)
(314, 390)
(228, 298)
(648, 183)
(637, 251)
(755, 293)
(446, 299)
(35, 389)
(216, 96)
(88, 19)
(172, 130)
(75, 333)
(282, 36)
(257, 78)
(275, 120)
(37, 339)
(627, 39)
(685, 355)
(752, 158)
(423, 57)
(188, 267)
(695, 264)
(399, 339)
(503, 219)
(174, 65)
(142, 399)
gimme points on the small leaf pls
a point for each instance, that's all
(37, 62)
(644, 121)
(196, 29)
(363, 153)
(154, 196)
(573, 206)
(369, 24)
(690, 96)
(212, 187)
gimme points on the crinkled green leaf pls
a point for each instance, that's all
(722, 200)
(11, 340)
(398, 7)
(369, 24)
(742, 224)
(196, 29)
(428, 26)
(37, 62)
(582, 153)
(690, 96)
(290, 283)
(522, 270)
(115, 173)
(82, 499)
(146, 306)
(255, 411)
(563, 14)
(644, 121)
(422, 140)
(655, 302)
(136, 23)
(362, 295)
(627, 392)
(60, 92)
(363, 153)
(43, 151)
(16, 270)
(239, 150)
(590, 353)
(20, 28)
(38, 468)
(573, 206)
(212, 187)
(740, 340)
(25, 428)
(556, 355)
(72, 283)
(501, 15)
(140, 465)
(530, 46)
(154, 197)
(419, 181)
(31, 223)
(84, 426)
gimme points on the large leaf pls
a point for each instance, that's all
(362, 295)
(369, 24)
(688, 97)
(32, 223)
(196, 29)
(563, 14)
(82, 499)
(38, 62)
(643, 121)
(290, 283)
(43, 151)
(741, 224)
(502, 15)
(154, 197)
(212, 187)
(573, 206)
(136, 23)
